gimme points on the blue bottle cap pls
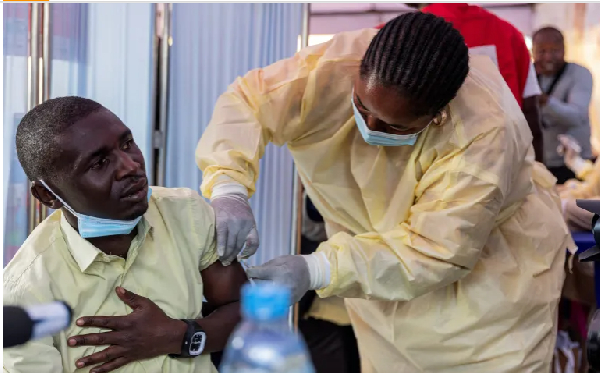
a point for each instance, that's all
(265, 301)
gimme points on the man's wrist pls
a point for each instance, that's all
(175, 340)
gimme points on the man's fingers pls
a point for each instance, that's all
(130, 298)
(107, 355)
(95, 339)
(110, 366)
(104, 322)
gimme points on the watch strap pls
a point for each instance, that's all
(192, 329)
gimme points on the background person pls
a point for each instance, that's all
(566, 94)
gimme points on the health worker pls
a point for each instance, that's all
(445, 237)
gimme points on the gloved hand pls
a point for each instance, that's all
(570, 149)
(235, 226)
(300, 273)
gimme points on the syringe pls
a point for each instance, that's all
(245, 265)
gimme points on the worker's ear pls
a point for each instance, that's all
(46, 197)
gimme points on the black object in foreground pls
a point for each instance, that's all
(23, 324)
(593, 255)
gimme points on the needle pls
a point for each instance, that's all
(245, 265)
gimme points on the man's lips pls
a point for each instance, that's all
(134, 187)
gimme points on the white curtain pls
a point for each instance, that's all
(212, 45)
(15, 185)
(104, 52)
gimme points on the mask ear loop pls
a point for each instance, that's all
(60, 199)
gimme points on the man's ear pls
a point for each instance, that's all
(46, 197)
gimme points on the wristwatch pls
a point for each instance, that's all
(194, 340)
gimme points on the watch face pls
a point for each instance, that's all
(197, 343)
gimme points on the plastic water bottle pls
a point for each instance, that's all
(263, 342)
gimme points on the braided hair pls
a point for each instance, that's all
(421, 55)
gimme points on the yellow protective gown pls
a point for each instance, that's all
(449, 253)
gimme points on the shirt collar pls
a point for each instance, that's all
(83, 251)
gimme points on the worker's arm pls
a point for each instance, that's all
(290, 101)
(575, 110)
(39, 355)
(456, 206)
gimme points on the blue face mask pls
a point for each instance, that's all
(382, 138)
(90, 226)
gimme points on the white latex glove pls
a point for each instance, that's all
(235, 225)
(300, 273)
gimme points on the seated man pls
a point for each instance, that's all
(134, 263)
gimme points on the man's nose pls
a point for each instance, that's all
(547, 56)
(127, 165)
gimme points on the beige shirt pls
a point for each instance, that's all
(175, 242)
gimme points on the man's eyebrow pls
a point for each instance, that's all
(125, 135)
(85, 158)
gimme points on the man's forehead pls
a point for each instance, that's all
(95, 127)
(548, 36)
(98, 130)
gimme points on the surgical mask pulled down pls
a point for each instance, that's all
(91, 226)
(382, 138)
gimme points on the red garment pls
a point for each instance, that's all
(479, 28)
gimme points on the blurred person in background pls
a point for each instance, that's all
(486, 33)
(566, 95)
(445, 237)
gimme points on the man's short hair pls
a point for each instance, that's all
(37, 133)
(549, 30)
